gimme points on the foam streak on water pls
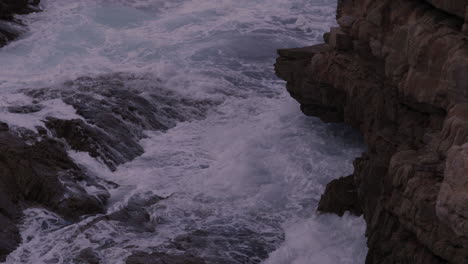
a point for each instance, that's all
(244, 182)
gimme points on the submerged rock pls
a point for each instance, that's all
(227, 244)
(162, 258)
(403, 84)
(134, 214)
(25, 109)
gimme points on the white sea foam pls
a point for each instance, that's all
(53, 107)
(250, 174)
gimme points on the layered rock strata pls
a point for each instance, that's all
(397, 71)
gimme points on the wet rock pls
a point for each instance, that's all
(36, 170)
(4, 127)
(11, 28)
(162, 258)
(9, 234)
(340, 196)
(9, 31)
(112, 148)
(88, 256)
(134, 214)
(10, 7)
(402, 84)
(25, 109)
(116, 115)
(40, 173)
(224, 243)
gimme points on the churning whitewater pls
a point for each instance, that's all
(238, 173)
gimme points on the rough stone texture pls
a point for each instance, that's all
(404, 85)
(452, 202)
(36, 171)
(340, 196)
(10, 27)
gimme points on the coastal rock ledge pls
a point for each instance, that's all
(398, 71)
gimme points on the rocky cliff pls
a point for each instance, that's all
(397, 70)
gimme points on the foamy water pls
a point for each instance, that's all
(248, 176)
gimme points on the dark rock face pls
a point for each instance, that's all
(162, 258)
(340, 196)
(11, 28)
(40, 173)
(403, 84)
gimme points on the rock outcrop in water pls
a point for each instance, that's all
(10, 27)
(397, 71)
(114, 112)
(36, 171)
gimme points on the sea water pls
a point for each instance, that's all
(244, 181)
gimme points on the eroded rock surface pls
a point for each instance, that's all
(403, 84)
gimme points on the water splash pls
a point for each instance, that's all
(239, 186)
